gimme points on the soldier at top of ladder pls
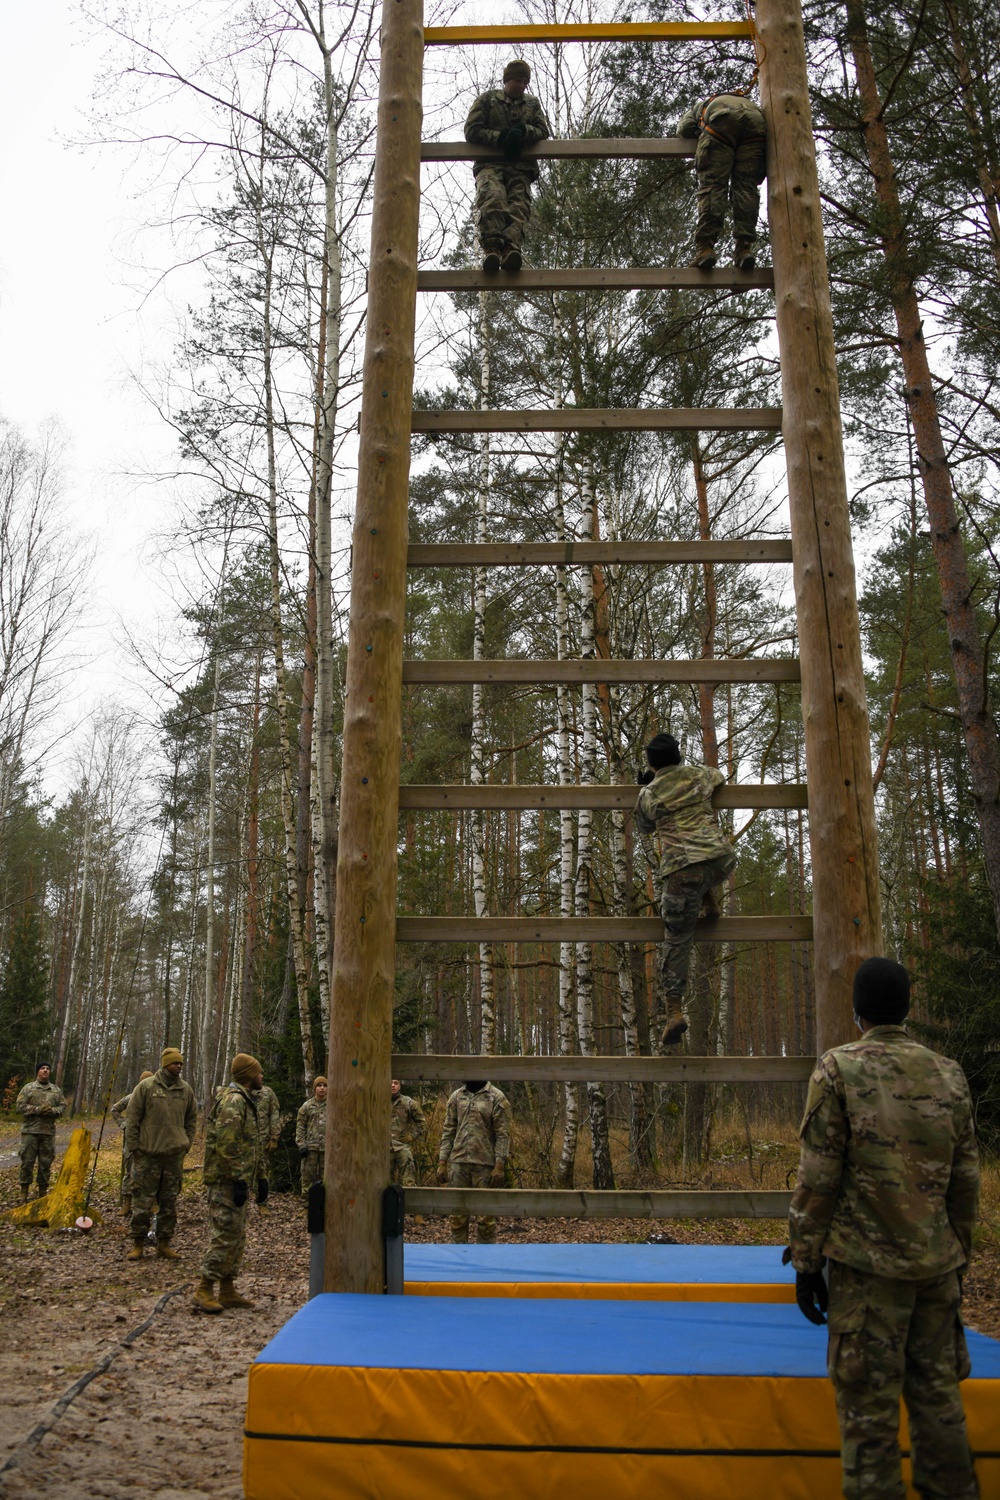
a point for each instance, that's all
(508, 119)
(731, 161)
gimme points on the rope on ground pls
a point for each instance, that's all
(66, 1400)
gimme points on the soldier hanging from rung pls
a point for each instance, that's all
(731, 162)
(508, 119)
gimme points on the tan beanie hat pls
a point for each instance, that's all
(318, 1079)
(145, 1074)
(170, 1055)
(245, 1068)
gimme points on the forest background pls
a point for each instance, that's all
(176, 889)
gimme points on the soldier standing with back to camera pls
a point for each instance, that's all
(234, 1169)
(887, 1193)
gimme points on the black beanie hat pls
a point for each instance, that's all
(881, 992)
(663, 750)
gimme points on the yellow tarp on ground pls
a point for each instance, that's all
(631, 1291)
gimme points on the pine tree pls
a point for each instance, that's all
(25, 1012)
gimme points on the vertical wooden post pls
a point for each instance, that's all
(845, 877)
(357, 1142)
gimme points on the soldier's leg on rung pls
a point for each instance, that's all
(679, 908)
(492, 215)
(868, 1320)
(744, 188)
(518, 189)
(936, 1360)
(714, 165)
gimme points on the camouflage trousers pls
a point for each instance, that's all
(728, 173)
(224, 1255)
(888, 1338)
(128, 1161)
(40, 1149)
(403, 1167)
(156, 1186)
(311, 1170)
(680, 905)
(503, 205)
(466, 1174)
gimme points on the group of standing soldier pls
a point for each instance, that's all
(730, 163)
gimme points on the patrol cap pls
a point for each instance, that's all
(881, 992)
(663, 750)
(517, 69)
(170, 1055)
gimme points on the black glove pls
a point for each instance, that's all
(303, 1152)
(263, 1189)
(240, 1191)
(811, 1295)
(512, 139)
(646, 776)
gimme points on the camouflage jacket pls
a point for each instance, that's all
(161, 1115)
(406, 1123)
(476, 1127)
(494, 112)
(720, 113)
(268, 1116)
(310, 1125)
(118, 1111)
(40, 1104)
(888, 1176)
(677, 804)
(234, 1151)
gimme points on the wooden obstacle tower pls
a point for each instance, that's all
(845, 924)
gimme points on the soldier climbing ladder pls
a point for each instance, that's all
(845, 925)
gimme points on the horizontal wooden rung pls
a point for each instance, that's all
(582, 148)
(506, 797)
(584, 279)
(577, 554)
(417, 1068)
(600, 419)
(596, 930)
(559, 1203)
(597, 669)
(587, 31)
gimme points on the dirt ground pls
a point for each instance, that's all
(165, 1418)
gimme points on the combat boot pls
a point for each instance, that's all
(229, 1296)
(744, 258)
(204, 1297)
(164, 1251)
(704, 256)
(491, 258)
(675, 1027)
(512, 259)
(137, 1251)
(25, 1193)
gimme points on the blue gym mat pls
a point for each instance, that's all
(548, 1336)
(735, 1264)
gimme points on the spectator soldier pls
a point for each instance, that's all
(118, 1115)
(406, 1125)
(160, 1121)
(695, 857)
(41, 1103)
(887, 1191)
(475, 1145)
(507, 119)
(234, 1156)
(310, 1136)
(731, 162)
(269, 1124)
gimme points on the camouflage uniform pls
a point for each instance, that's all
(310, 1135)
(233, 1153)
(160, 1121)
(476, 1136)
(118, 1115)
(888, 1189)
(503, 189)
(406, 1123)
(269, 1118)
(41, 1104)
(730, 160)
(695, 856)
